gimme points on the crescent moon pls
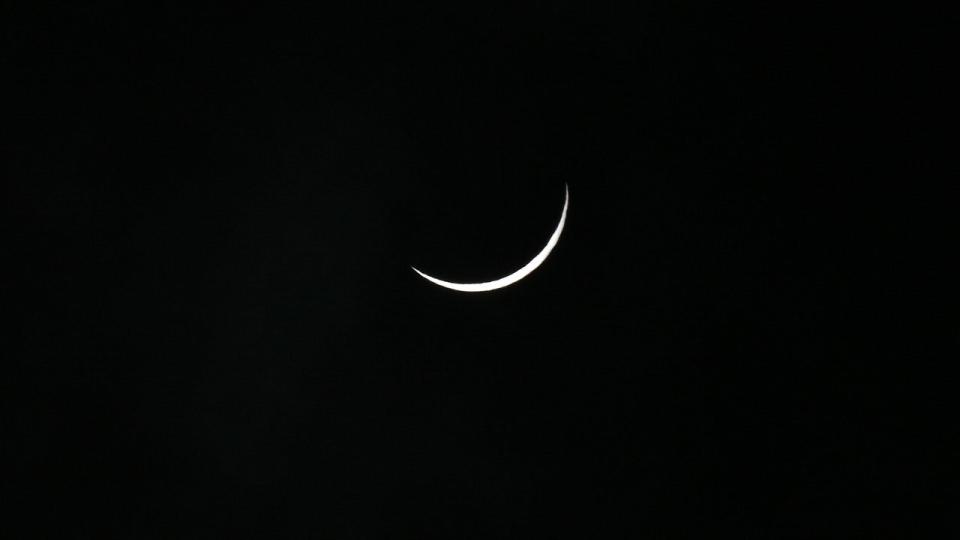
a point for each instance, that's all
(519, 274)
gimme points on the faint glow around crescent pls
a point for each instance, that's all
(519, 274)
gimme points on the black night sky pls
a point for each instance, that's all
(212, 213)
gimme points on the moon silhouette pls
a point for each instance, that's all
(515, 276)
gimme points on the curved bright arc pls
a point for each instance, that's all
(519, 274)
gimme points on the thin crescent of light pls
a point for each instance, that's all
(519, 274)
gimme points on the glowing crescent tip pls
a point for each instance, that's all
(519, 274)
